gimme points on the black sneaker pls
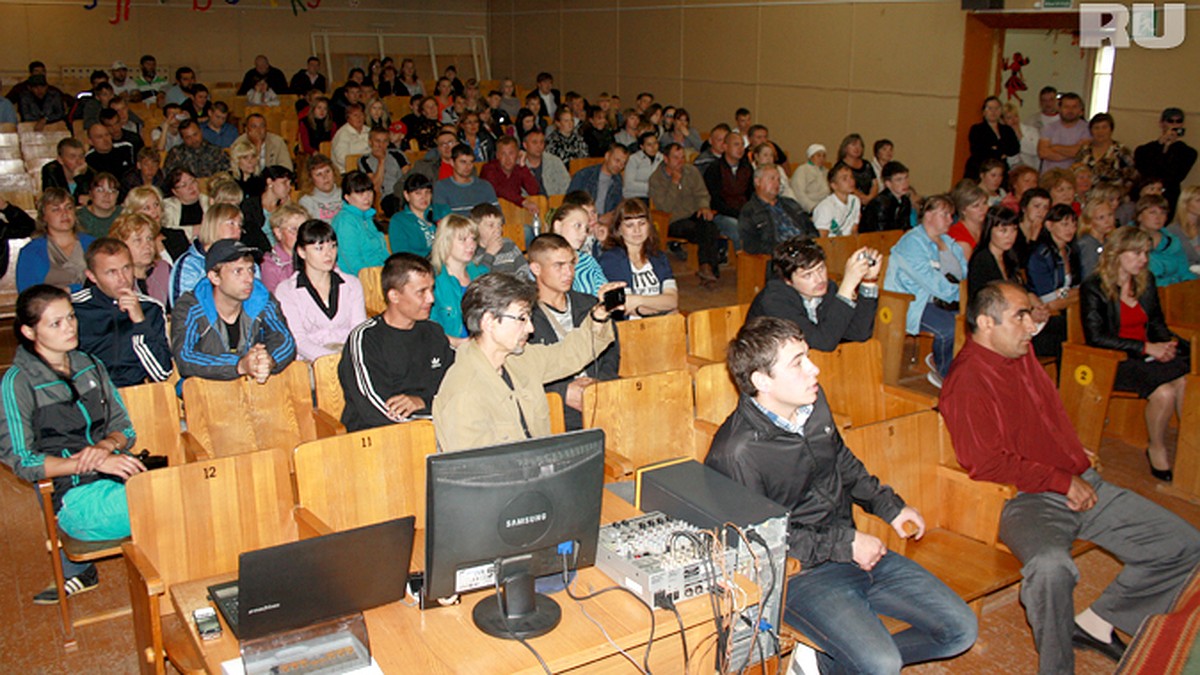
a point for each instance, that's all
(676, 249)
(75, 585)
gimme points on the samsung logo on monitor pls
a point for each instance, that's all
(525, 520)
(264, 608)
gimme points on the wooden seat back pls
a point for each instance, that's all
(154, 411)
(237, 416)
(710, 330)
(652, 345)
(645, 419)
(715, 393)
(516, 217)
(890, 318)
(1181, 302)
(328, 386)
(751, 275)
(1085, 386)
(581, 163)
(372, 285)
(852, 377)
(367, 476)
(837, 250)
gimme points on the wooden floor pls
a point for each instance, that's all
(31, 639)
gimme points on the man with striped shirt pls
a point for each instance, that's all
(392, 364)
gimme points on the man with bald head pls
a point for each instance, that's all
(276, 80)
(107, 155)
(730, 182)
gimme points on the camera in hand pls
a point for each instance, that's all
(614, 298)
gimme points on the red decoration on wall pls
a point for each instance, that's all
(1015, 84)
(121, 4)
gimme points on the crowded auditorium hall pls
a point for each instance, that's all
(460, 337)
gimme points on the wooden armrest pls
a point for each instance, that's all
(310, 524)
(842, 421)
(327, 424)
(791, 566)
(617, 465)
(911, 395)
(705, 427)
(1096, 352)
(695, 363)
(703, 432)
(193, 449)
(147, 574)
(1191, 333)
(960, 475)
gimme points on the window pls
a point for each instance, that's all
(1102, 74)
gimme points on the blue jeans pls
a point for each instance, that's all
(941, 323)
(729, 229)
(836, 606)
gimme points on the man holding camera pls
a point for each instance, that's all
(1167, 157)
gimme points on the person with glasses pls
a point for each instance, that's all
(494, 391)
(1167, 157)
(101, 210)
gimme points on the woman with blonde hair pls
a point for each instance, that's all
(1121, 311)
(147, 201)
(1186, 227)
(1027, 135)
(222, 221)
(150, 270)
(453, 248)
(243, 158)
(55, 254)
(1095, 224)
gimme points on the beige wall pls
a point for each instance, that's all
(220, 43)
(1053, 60)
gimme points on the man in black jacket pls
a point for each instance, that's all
(892, 209)
(70, 171)
(828, 314)
(560, 310)
(768, 218)
(781, 442)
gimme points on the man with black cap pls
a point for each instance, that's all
(42, 104)
(1167, 157)
(229, 325)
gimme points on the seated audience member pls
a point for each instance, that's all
(197, 106)
(324, 200)
(308, 78)
(682, 132)
(55, 254)
(217, 129)
(385, 166)
(277, 182)
(177, 93)
(1096, 222)
(1121, 311)
(360, 243)
(64, 420)
(850, 153)
(147, 172)
(892, 209)
(393, 364)
(1053, 268)
(991, 180)
(769, 218)
(15, 223)
(106, 156)
(101, 210)
(279, 263)
(603, 182)
(549, 170)
(730, 183)
(261, 94)
(245, 168)
(201, 158)
(494, 391)
(1168, 261)
(353, 137)
(564, 141)
(928, 264)
(8, 112)
(778, 443)
(438, 162)
(462, 191)
(597, 133)
(570, 221)
(495, 252)
(632, 255)
(1009, 426)
(971, 204)
(87, 104)
(678, 188)
(321, 303)
(508, 177)
(829, 313)
(1186, 226)
(1035, 204)
(148, 80)
(412, 229)
(454, 248)
(70, 171)
(628, 135)
(229, 325)
(883, 151)
(1060, 183)
(641, 165)
(120, 133)
(483, 146)
(117, 324)
(559, 311)
(166, 137)
(765, 154)
(41, 104)
(269, 149)
(1021, 179)
(423, 125)
(265, 71)
(757, 135)
(317, 127)
(151, 271)
(221, 221)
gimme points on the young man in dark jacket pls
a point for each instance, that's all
(781, 442)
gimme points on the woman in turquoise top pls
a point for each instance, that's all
(1168, 260)
(360, 243)
(453, 248)
(412, 229)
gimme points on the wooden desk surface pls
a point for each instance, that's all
(445, 640)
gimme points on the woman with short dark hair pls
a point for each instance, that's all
(322, 304)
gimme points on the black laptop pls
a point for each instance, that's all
(296, 584)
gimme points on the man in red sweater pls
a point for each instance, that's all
(1008, 426)
(511, 180)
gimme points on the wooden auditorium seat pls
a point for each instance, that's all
(652, 345)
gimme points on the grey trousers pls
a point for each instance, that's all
(1159, 550)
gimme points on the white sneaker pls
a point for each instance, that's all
(930, 364)
(934, 378)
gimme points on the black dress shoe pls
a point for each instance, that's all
(1165, 475)
(1113, 650)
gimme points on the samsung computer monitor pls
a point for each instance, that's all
(510, 512)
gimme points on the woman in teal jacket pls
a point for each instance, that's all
(412, 229)
(360, 243)
(453, 248)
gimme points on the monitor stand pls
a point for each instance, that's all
(518, 611)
